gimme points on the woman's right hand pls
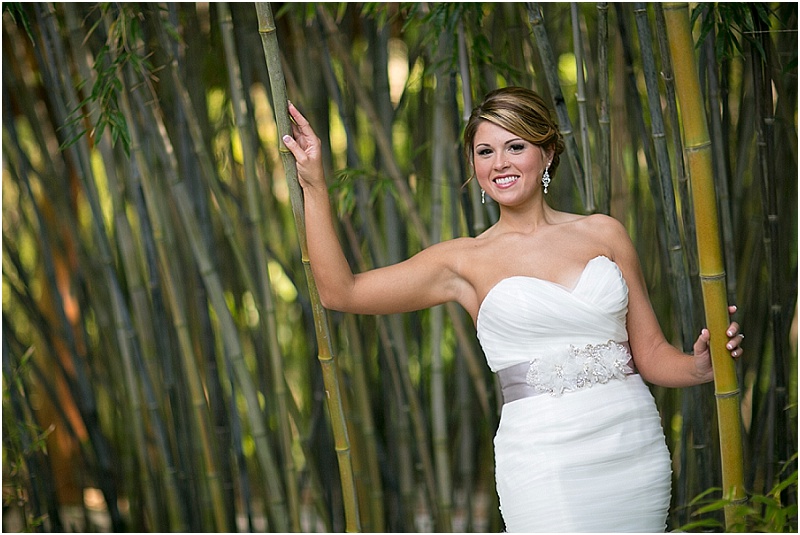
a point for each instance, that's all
(307, 150)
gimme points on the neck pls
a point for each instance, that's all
(525, 220)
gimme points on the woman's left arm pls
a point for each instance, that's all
(658, 361)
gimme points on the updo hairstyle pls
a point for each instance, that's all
(523, 113)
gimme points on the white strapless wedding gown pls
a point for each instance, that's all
(586, 453)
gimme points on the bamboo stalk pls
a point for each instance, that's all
(680, 284)
(761, 61)
(536, 20)
(681, 177)
(198, 402)
(477, 215)
(439, 438)
(712, 273)
(267, 30)
(267, 307)
(604, 120)
(144, 323)
(577, 46)
(681, 289)
(719, 140)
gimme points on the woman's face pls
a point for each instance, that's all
(508, 167)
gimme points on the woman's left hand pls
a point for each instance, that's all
(702, 354)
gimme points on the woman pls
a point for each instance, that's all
(560, 305)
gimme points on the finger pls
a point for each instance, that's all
(732, 309)
(297, 117)
(735, 342)
(733, 328)
(292, 145)
(701, 344)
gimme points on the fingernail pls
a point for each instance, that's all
(286, 138)
(729, 346)
(730, 333)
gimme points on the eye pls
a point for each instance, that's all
(516, 147)
(484, 152)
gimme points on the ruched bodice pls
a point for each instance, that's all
(581, 449)
(523, 316)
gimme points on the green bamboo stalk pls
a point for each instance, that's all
(761, 60)
(196, 392)
(440, 440)
(228, 330)
(718, 143)
(383, 143)
(680, 286)
(391, 329)
(478, 216)
(712, 271)
(604, 120)
(266, 28)
(214, 287)
(681, 177)
(536, 21)
(53, 55)
(391, 333)
(694, 434)
(244, 126)
(577, 46)
(681, 289)
(144, 322)
(372, 480)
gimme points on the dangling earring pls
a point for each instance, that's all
(546, 179)
(483, 196)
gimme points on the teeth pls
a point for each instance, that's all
(506, 180)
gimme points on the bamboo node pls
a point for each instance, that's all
(266, 31)
(699, 147)
(725, 395)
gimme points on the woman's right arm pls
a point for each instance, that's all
(425, 280)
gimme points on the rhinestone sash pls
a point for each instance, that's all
(566, 370)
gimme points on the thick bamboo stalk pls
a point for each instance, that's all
(269, 39)
(712, 272)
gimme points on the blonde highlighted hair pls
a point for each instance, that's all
(523, 113)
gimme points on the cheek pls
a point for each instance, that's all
(482, 169)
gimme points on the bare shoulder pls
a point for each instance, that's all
(605, 229)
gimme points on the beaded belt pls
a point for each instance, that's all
(566, 370)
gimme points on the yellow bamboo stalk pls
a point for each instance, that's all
(697, 149)
(330, 375)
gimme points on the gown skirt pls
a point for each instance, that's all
(593, 460)
(585, 452)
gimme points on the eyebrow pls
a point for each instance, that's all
(510, 141)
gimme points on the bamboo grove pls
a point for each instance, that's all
(166, 365)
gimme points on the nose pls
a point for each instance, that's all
(500, 162)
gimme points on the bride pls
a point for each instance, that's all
(562, 314)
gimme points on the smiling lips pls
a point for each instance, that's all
(506, 180)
